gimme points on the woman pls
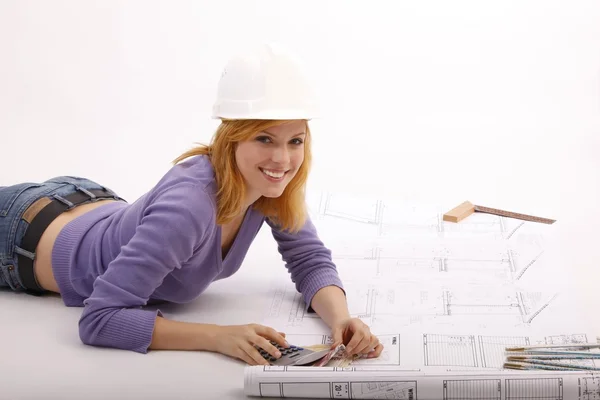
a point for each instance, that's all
(77, 238)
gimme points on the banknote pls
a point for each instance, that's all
(337, 357)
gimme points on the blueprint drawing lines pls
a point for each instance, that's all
(445, 350)
(476, 389)
(539, 389)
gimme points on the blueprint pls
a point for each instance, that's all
(441, 296)
(396, 383)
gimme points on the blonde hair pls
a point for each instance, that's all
(288, 210)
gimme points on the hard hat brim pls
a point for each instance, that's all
(269, 115)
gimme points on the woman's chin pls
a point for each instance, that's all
(273, 194)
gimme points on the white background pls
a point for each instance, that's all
(496, 102)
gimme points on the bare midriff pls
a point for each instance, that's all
(43, 259)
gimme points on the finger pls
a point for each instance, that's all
(336, 338)
(281, 333)
(363, 346)
(372, 345)
(244, 356)
(267, 346)
(272, 334)
(254, 355)
(357, 337)
(377, 352)
(374, 342)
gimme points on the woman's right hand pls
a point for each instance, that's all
(238, 341)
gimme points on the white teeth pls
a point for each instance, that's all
(275, 175)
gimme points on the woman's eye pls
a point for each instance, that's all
(297, 141)
(263, 139)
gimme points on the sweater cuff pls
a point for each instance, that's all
(130, 329)
(314, 282)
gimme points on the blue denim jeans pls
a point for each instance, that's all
(20, 204)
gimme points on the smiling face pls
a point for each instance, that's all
(270, 159)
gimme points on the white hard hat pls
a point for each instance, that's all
(264, 83)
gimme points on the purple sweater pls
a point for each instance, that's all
(165, 246)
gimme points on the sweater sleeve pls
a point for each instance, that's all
(307, 259)
(169, 230)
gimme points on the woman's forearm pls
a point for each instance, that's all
(175, 335)
(330, 304)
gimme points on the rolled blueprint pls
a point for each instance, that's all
(397, 383)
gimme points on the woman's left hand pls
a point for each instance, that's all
(357, 338)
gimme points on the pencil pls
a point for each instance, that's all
(551, 352)
(580, 346)
(528, 367)
(559, 365)
(553, 357)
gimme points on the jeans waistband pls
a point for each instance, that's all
(39, 215)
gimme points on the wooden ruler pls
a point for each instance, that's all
(465, 209)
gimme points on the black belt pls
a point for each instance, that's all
(39, 224)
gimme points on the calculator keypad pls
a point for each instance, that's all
(289, 355)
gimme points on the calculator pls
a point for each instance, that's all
(293, 355)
